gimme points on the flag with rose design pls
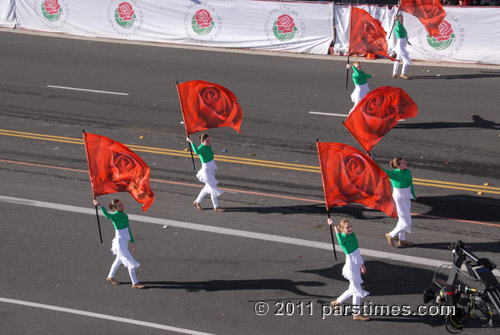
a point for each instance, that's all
(430, 12)
(207, 105)
(377, 113)
(115, 168)
(349, 176)
(366, 35)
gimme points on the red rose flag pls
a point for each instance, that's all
(115, 168)
(351, 176)
(206, 105)
(377, 113)
(430, 12)
(366, 35)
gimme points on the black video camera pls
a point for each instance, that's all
(474, 294)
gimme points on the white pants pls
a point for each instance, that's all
(402, 55)
(401, 233)
(204, 191)
(358, 94)
(356, 299)
(119, 247)
(116, 265)
(352, 272)
(402, 198)
(396, 67)
(207, 175)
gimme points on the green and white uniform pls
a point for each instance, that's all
(402, 192)
(400, 49)
(361, 86)
(119, 246)
(207, 174)
(352, 269)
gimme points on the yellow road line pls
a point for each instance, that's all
(247, 161)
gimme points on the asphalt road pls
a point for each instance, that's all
(207, 271)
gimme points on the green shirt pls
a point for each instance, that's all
(119, 219)
(348, 243)
(359, 77)
(401, 179)
(206, 153)
(400, 31)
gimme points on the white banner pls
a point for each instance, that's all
(7, 13)
(294, 27)
(468, 34)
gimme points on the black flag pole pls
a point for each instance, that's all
(184, 121)
(191, 150)
(96, 212)
(393, 22)
(326, 203)
(331, 234)
(347, 74)
(98, 223)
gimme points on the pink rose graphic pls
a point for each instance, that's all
(285, 24)
(125, 11)
(445, 31)
(52, 6)
(203, 18)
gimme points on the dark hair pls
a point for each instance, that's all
(112, 204)
(395, 162)
(203, 137)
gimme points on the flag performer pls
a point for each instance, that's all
(359, 77)
(207, 172)
(120, 243)
(204, 106)
(353, 269)
(115, 168)
(402, 192)
(400, 49)
(366, 36)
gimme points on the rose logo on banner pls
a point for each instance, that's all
(202, 22)
(444, 39)
(125, 15)
(51, 10)
(53, 14)
(448, 44)
(284, 28)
